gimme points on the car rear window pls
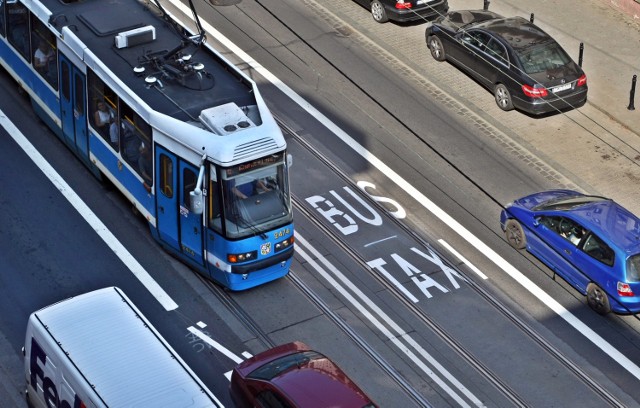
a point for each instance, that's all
(283, 364)
(633, 268)
(542, 57)
(462, 18)
(598, 250)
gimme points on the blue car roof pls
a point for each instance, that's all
(604, 217)
(609, 219)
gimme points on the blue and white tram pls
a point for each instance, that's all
(181, 132)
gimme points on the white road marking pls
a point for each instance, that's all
(462, 258)
(429, 205)
(86, 213)
(222, 349)
(201, 325)
(380, 241)
(388, 322)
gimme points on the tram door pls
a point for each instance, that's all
(72, 106)
(177, 225)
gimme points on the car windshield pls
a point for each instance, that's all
(283, 364)
(568, 203)
(633, 268)
(542, 57)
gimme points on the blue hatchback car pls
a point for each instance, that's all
(592, 242)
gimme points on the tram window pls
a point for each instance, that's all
(166, 176)
(189, 183)
(18, 28)
(66, 89)
(79, 96)
(135, 136)
(2, 3)
(103, 110)
(215, 218)
(44, 52)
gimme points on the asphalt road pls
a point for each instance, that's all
(50, 253)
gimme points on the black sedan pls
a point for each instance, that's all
(522, 65)
(404, 10)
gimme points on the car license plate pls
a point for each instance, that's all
(560, 88)
(419, 2)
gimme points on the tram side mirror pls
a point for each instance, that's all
(196, 202)
(289, 160)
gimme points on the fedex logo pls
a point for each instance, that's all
(37, 363)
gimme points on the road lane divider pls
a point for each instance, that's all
(90, 217)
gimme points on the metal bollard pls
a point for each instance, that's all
(632, 94)
(531, 18)
(486, 5)
(580, 54)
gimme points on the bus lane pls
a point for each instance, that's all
(420, 303)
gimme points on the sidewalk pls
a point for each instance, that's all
(611, 37)
(598, 144)
(595, 149)
(630, 7)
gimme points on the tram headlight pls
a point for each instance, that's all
(243, 257)
(282, 245)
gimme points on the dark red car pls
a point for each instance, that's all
(292, 375)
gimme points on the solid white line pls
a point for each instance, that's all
(222, 349)
(401, 334)
(542, 296)
(462, 258)
(86, 213)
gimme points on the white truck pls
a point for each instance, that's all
(98, 350)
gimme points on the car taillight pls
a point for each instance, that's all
(532, 92)
(402, 4)
(624, 289)
(582, 80)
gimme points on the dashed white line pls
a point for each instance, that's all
(380, 240)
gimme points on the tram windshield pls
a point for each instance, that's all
(255, 197)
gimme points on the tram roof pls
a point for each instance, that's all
(97, 22)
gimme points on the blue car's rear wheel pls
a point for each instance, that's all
(515, 234)
(598, 299)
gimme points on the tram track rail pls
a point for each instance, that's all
(592, 384)
(224, 296)
(437, 329)
(238, 312)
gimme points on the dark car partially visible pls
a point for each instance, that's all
(405, 10)
(292, 375)
(523, 66)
